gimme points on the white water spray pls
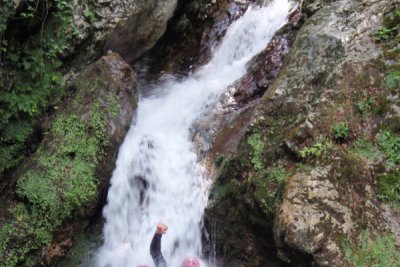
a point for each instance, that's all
(157, 176)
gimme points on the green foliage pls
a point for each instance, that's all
(278, 174)
(301, 167)
(341, 131)
(390, 28)
(318, 149)
(267, 188)
(257, 144)
(90, 14)
(367, 149)
(29, 73)
(61, 182)
(373, 251)
(392, 80)
(365, 105)
(390, 145)
(384, 33)
(389, 187)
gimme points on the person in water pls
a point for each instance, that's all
(155, 246)
(155, 250)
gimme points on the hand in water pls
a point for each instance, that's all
(161, 228)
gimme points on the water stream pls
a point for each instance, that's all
(158, 177)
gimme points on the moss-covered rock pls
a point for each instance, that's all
(63, 182)
(332, 71)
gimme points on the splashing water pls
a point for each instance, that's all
(158, 177)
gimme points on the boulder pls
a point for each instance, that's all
(63, 184)
(129, 28)
(332, 62)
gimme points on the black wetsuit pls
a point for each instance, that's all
(155, 251)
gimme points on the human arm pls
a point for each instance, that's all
(155, 246)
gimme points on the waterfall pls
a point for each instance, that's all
(158, 177)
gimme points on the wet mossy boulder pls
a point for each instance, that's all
(62, 184)
(330, 196)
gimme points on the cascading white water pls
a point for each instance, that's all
(157, 176)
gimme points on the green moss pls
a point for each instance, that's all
(367, 149)
(257, 145)
(301, 167)
(61, 182)
(392, 80)
(378, 251)
(389, 187)
(390, 145)
(278, 174)
(64, 179)
(348, 168)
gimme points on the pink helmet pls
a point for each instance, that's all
(190, 262)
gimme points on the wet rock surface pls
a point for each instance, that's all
(110, 74)
(192, 35)
(332, 62)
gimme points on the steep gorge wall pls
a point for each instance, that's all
(294, 188)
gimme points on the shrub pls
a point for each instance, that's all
(341, 131)
(29, 70)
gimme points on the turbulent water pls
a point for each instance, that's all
(158, 177)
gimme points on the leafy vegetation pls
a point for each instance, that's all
(389, 187)
(390, 28)
(390, 145)
(392, 80)
(278, 174)
(387, 147)
(384, 33)
(341, 131)
(257, 144)
(367, 149)
(59, 183)
(377, 251)
(321, 146)
(30, 75)
(365, 105)
(389, 37)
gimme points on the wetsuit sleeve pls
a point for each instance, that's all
(155, 251)
(155, 246)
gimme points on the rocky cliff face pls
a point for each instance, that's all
(63, 182)
(307, 156)
(297, 186)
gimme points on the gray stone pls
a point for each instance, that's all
(128, 27)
